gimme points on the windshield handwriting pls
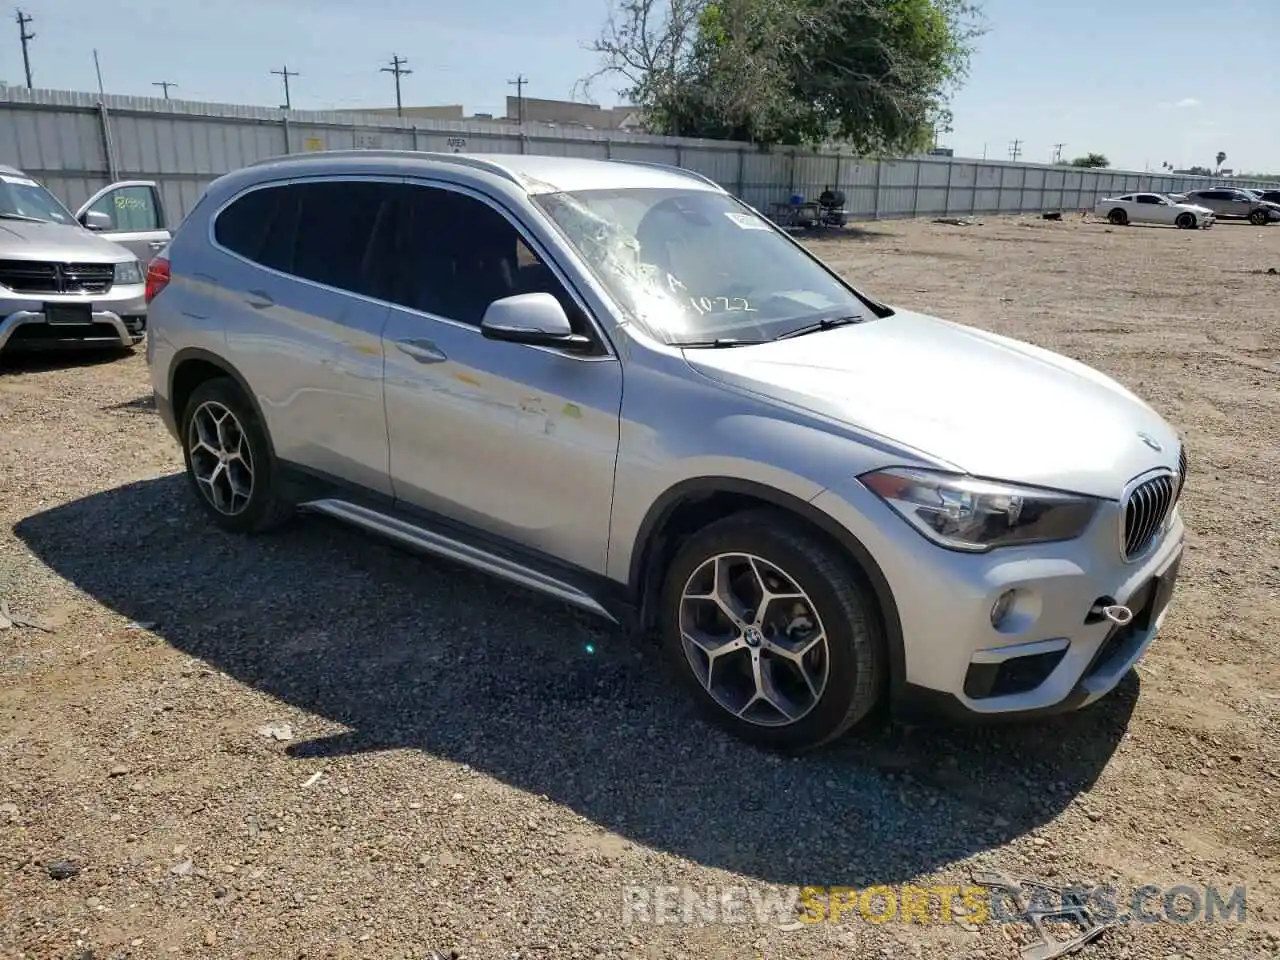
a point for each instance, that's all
(705, 305)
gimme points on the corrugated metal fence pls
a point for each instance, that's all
(78, 142)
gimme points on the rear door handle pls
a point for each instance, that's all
(259, 299)
(424, 351)
(158, 244)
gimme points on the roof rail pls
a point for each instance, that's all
(464, 160)
(674, 169)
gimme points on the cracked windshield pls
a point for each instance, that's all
(695, 266)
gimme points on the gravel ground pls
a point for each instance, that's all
(313, 745)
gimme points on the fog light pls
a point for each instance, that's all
(1000, 609)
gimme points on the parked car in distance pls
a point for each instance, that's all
(1153, 208)
(74, 279)
(1232, 203)
(817, 501)
(1269, 196)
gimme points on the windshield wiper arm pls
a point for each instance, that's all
(6, 215)
(826, 323)
(720, 342)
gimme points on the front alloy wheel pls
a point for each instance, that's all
(774, 630)
(753, 639)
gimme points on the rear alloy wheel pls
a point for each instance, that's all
(1118, 217)
(229, 461)
(774, 631)
(1185, 221)
(1259, 218)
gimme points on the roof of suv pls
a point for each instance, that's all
(534, 174)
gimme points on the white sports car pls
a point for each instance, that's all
(1153, 208)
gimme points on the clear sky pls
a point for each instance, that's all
(1142, 81)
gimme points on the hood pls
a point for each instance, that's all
(985, 404)
(20, 240)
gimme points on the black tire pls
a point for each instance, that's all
(1186, 221)
(266, 508)
(842, 600)
(1260, 218)
(1118, 217)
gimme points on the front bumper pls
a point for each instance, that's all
(118, 319)
(1049, 655)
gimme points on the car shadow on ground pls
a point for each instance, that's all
(66, 358)
(407, 652)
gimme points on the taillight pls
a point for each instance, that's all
(157, 277)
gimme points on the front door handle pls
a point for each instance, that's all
(424, 351)
(259, 299)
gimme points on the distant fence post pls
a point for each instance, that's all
(973, 194)
(679, 156)
(915, 192)
(875, 202)
(608, 149)
(742, 164)
(413, 132)
(284, 127)
(836, 185)
(793, 173)
(108, 146)
(946, 203)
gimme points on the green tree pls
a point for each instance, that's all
(872, 73)
(1096, 160)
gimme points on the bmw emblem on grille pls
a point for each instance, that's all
(1150, 441)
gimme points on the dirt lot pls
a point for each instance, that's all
(472, 769)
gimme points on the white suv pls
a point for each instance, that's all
(617, 385)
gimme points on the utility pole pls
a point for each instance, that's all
(1015, 150)
(25, 38)
(1057, 152)
(519, 83)
(398, 70)
(165, 84)
(97, 68)
(285, 74)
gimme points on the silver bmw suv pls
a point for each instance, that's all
(617, 385)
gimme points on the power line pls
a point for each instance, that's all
(398, 70)
(285, 74)
(25, 38)
(165, 85)
(1015, 150)
(519, 83)
(1057, 152)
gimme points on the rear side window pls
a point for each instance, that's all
(336, 230)
(330, 231)
(244, 226)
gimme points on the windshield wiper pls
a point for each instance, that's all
(826, 323)
(719, 342)
(6, 215)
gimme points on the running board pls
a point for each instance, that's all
(437, 544)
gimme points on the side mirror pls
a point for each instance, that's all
(536, 319)
(95, 220)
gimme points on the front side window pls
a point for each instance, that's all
(694, 266)
(461, 255)
(131, 209)
(21, 198)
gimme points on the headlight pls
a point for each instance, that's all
(962, 513)
(130, 272)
